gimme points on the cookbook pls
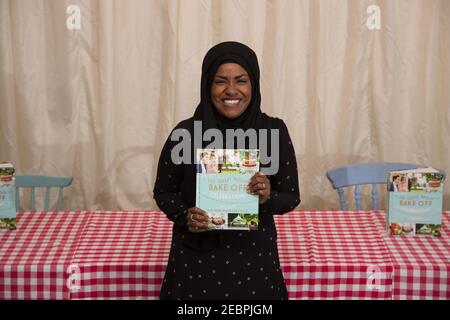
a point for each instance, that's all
(7, 196)
(415, 200)
(221, 181)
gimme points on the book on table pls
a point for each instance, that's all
(221, 187)
(7, 196)
(415, 198)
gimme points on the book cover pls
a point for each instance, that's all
(7, 196)
(415, 202)
(222, 178)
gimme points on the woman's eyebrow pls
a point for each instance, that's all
(226, 77)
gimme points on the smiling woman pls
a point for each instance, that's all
(231, 90)
(205, 263)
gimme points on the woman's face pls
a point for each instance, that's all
(231, 90)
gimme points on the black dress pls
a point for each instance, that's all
(224, 264)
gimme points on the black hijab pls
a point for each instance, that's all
(221, 53)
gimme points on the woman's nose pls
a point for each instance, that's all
(231, 90)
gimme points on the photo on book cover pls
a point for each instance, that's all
(227, 161)
(416, 182)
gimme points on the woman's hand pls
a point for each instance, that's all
(198, 220)
(260, 184)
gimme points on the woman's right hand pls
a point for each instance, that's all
(198, 220)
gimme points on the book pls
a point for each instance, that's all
(415, 200)
(7, 196)
(221, 182)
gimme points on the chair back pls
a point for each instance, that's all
(363, 174)
(39, 181)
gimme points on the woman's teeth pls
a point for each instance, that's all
(232, 102)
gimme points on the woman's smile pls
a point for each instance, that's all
(231, 103)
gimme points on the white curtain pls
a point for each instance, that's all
(97, 102)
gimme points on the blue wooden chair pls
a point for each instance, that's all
(39, 181)
(363, 174)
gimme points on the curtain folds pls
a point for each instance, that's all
(98, 103)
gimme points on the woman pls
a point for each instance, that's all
(403, 187)
(213, 163)
(205, 264)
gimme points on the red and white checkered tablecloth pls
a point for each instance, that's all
(324, 254)
(35, 258)
(122, 255)
(421, 263)
(333, 255)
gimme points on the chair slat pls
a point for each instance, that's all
(47, 198)
(32, 199)
(375, 197)
(59, 201)
(17, 199)
(357, 197)
(342, 201)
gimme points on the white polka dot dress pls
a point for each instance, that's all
(224, 265)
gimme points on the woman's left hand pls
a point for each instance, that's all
(260, 184)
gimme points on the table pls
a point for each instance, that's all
(123, 255)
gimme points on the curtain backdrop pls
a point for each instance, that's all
(97, 103)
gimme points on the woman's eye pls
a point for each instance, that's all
(242, 80)
(219, 81)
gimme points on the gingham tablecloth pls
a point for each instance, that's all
(35, 259)
(333, 255)
(421, 264)
(123, 255)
